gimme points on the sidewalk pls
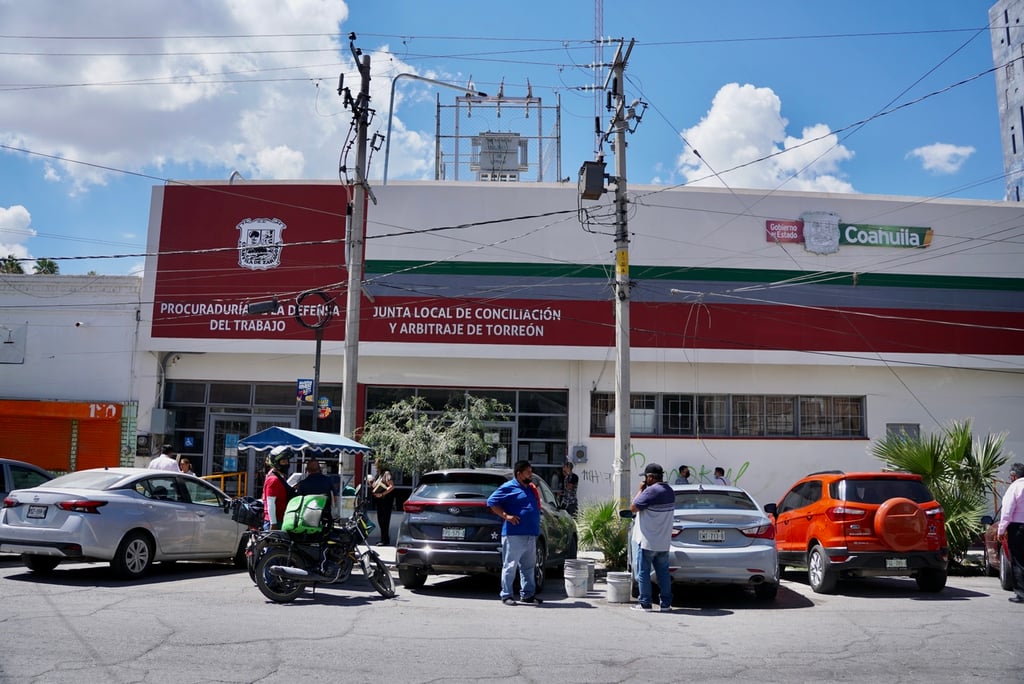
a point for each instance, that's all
(387, 553)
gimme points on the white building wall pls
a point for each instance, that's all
(682, 228)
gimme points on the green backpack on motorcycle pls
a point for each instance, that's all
(305, 514)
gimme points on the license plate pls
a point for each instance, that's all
(453, 533)
(36, 512)
(711, 535)
(896, 563)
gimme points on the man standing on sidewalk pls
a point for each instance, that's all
(517, 502)
(1011, 528)
(654, 506)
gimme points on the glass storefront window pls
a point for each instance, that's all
(230, 393)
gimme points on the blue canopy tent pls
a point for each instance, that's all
(304, 440)
(309, 444)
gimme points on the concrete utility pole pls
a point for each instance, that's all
(356, 251)
(623, 423)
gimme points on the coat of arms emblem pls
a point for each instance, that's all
(260, 242)
(821, 231)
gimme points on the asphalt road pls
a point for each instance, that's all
(191, 622)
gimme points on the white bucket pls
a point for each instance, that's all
(575, 582)
(618, 587)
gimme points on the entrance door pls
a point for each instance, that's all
(255, 461)
(225, 458)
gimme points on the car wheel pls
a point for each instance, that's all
(931, 579)
(1005, 572)
(411, 578)
(539, 568)
(133, 557)
(41, 565)
(819, 576)
(240, 560)
(766, 591)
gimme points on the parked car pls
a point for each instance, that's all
(846, 525)
(130, 517)
(997, 553)
(449, 529)
(720, 537)
(20, 475)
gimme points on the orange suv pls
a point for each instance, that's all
(841, 525)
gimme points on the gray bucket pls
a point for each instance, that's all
(618, 587)
(575, 579)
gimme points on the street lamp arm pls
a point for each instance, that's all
(391, 108)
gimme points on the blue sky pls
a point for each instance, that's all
(875, 97)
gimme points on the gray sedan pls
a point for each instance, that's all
(721, 536)
(130, 517)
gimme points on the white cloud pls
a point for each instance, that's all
(942, 158)
(250, 103)
(15, 229)
(743, 138)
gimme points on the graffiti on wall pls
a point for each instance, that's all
(699, 472)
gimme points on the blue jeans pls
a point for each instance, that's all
(518, 551)
(659, 560)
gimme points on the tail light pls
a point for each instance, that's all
(845, 513)
(759, 532)
(409, 507)
(81, 506)
(11, 503)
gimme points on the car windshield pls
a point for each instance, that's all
(458, 486)
(87, 479)
(695, 499)
(877, 491)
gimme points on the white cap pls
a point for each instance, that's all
(278, 450)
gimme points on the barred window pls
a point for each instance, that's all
(734, 415)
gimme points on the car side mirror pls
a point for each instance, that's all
(770, 509)
(626, 513)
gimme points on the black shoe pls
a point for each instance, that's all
(531, 599)
(1016, 599)
(508, 601)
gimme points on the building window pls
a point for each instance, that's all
(737, 415)
(908, 430)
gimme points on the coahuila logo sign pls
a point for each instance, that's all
(884, 236)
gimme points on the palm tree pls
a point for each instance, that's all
(46, 267)
(960, 471)
(11, 265)
(601, 528)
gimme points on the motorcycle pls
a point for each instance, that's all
(287, 563)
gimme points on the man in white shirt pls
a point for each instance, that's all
(167, 460)
(1011, 528)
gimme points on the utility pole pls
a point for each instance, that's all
(356, 250)
(591, 187)
(623, 418)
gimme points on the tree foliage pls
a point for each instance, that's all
(46, 267)
(600, 528)
(958, 469)
(405, 436)
(11, 265)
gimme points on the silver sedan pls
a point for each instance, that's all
(721, 536)
(130, 517)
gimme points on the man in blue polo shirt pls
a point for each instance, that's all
(517, 502)
(654, 506)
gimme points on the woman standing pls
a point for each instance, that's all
(383, 490)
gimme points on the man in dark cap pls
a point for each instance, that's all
(654, 506)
